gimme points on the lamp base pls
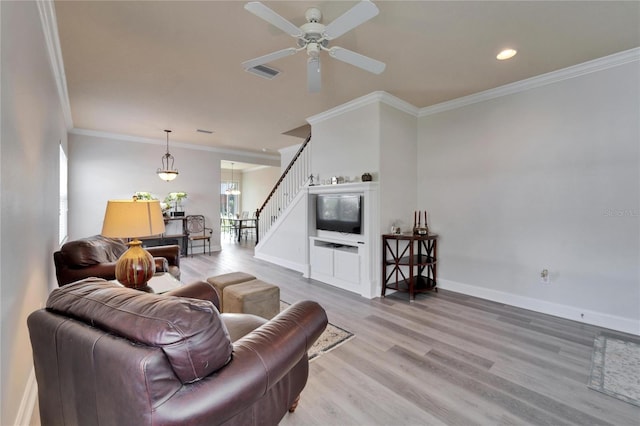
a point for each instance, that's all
(135, 267)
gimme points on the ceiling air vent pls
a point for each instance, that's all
(264, 71)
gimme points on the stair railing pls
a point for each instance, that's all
(293, 179)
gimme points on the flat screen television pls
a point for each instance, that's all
(339, 213)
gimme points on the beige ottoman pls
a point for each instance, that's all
(219, 282)
(253, 297)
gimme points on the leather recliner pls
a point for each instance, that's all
(110, 355)
(96, 256)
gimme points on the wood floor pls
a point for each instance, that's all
(445, 359)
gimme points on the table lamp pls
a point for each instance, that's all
(132, 219)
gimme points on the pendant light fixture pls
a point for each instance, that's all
(167, 172)
(231, 189)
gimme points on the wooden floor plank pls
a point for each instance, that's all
(443, 359)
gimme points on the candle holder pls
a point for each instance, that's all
(418, 228)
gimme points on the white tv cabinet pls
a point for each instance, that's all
(347, 261)
(335, 262)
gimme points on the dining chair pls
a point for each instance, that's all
(197, 231)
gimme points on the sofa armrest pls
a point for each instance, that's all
(197, 290)
(260, 359)
(162, 264)
(171, 253)
(105, 271)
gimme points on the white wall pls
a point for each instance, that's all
(288, 240)
(398, 168)
(546, 178)
(376, 134)
(343, 144)
(257, 183)
(32, 128)
(286, 155)
(347, 144)
(103, 168)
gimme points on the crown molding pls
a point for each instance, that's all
(371, 98)
(52, 41)
(611, 61)
(137, 139)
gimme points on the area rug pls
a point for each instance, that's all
(332, 337)
(615, 368)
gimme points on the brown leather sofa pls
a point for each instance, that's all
(110, 355)
(96, 256)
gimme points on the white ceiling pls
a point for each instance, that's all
(138, 67)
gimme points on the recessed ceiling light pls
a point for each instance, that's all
(506, 54)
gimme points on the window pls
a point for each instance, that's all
(229, 204)
(64, 200)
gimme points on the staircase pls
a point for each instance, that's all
(292, 180)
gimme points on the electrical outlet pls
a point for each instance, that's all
(544, 277)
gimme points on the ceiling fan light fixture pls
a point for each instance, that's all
(506, 54)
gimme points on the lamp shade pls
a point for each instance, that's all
(132, 219)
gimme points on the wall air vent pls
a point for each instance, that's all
(264, 71)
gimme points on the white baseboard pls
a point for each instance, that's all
(299, 267)
(613, 322)
(28, 401)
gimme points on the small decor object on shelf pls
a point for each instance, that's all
(143, 195)
(418, 228)
(366, 177)
(175, 199)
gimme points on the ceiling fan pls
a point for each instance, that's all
(314, 37)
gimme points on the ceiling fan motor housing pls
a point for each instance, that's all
(313, 49)
(313, 15)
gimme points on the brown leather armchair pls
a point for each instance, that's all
(110, 355)
(96, 256)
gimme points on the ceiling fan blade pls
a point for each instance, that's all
(314, 80)
(268, 58)
(357, 60)
(353, 17)
(262, 11)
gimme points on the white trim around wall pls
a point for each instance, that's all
(50, 29)
(28, 401)
(373, 97)
(595, 65)
(538, 81)
(563, 311)
(122, 137)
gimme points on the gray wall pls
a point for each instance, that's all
(32, 129)
(545, 178)
(108, 167)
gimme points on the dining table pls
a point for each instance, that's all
(243, 223)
